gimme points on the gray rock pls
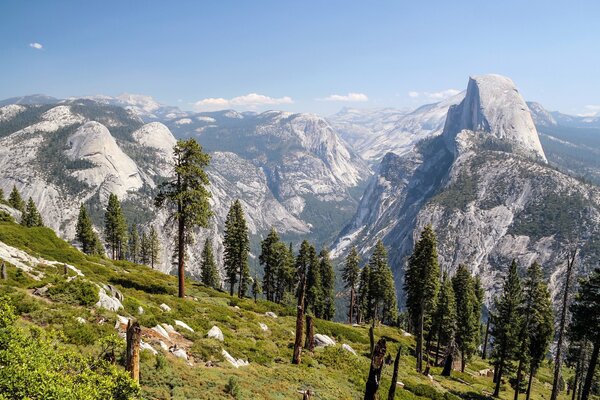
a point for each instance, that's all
(323, 340)
(215, 333)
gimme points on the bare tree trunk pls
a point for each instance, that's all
(132, 361)
(419, 350)
(4, 274)
(427, 351)
(587, 386)
(374, 378)
(531, 373)
(372, 337)
(309, 344)
(299, 322)
(499, 377)
(485, 339)
(392, 392)
(561, 328)
(351, 310)
(181, 251)
(519, 372)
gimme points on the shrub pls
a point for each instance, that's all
(76, 292)
(233, 387)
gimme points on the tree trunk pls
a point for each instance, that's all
(519, 371)
(372, 339)
(531, 373)
(499, 377)
(351, 310)
(427, 350)
(587, 386)
(449, 360)
(132, 361)
(181, 251)
(299, 322)
(377, 361)
(561, 328)
(485, 339)
(309, 344)
(4, 274)
(392, 392)
(419, 349)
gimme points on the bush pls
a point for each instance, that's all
(233, 387)
(430, 392)
(75, 292)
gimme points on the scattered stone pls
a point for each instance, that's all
(400, 384)
(215, 333)
(484, 372)
(140, 310)
(264, 327)
(165, 307)
(114, 292)
(169, 328)
(348, 348)
(430, 377)
(108, 302)
(209, 364)
(146, 346)
(271, 314)
(163, 345)
(41, 291)
(404, 333)
(236, 363)
(180, 353)
(122, 320)
(355, 325)
(81, 320)
(323, 340)
(236, 307)
(183, 325)
(161, 331)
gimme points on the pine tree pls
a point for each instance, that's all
(256, 288)
(187, 196)
(154, 249)
(363, 295)
(2, 199)
(270, 259)
(382, 301)
(286, 272)
(314, 290)
(585, 321)
(538, 327)
(145, 249)
(421, 284)
(85, 234)
(209, 273)
(506, 323)
(467, 320)
(237, 248)
(327, 285)
(302, 264)
(351, 275)
(133, 250)
(15, 200)
(31, 217)
(115, 227)
(444, 321)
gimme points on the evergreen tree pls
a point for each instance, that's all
(382, 302)
(256, 288)
(270, 259)
(506, 323)
(209, 273)
(15, 200)
(351, 275)
(363, 294)
(467, 317)
(85, 234)
(444, 321)
(585, 321)
(115, 227)
(314, 290)
(2, 199)
(237, 248)
(286, 271)
(303, 261)
(134, 244)
(421, 284)
(31, 217)
(187, 196)
(145, 249)
(327, 285)
(154, 249)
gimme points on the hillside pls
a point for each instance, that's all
(36, 259)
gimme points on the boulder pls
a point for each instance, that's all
(180, 353)
(80, 320)
(108, 302)
(169, 328)
(215, 333)
(140, 310)
(264, 327)
(183, 325)
(348, 348)
(146, 346)
(400, 384)
(41, 291)
(163, 345)
(323, 340)
(271, 314)
(235, 362)
(114, 292)
(165, 307)
(161, 331)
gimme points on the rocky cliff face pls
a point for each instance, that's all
(486, 188)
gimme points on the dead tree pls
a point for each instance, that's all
(309, 344)
(375, 371)
(392, 392)
(132, 360)
(561, 328)
(299, 321)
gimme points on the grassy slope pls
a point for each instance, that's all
(331, 373)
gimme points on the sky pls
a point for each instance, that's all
(302, 56)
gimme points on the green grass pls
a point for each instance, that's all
(331, 373)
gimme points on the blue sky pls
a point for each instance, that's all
(315, 56)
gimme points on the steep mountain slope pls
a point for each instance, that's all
(485, 187)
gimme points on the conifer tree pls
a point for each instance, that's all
(270, 259)
(421, 284)
(506, 323)
(382, 301)
(327, 285)
(444, 321)
(585, 321)
(2, 199)
(237, 248)
(351, 275)
(314, 290)
(134, 244)
(154, 249)
(31, 217)
(363, 295)
(286, 271)
(85, 234)
(467, 320)
(208, 266)
(15, 200)
(145, 249)
(186, 194)
(115, 227)
(256, 288)
(303, 261)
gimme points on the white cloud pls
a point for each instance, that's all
(591, 110)
(251, 101)
(350, 97)
(36, 45)
(434, 96)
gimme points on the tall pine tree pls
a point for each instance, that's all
(314, 290)
(382, 301)
(133, 250)
(270, 259)
(154, 250)
(115, 227)
(31, 217)
(506, 324)
(351, 275)
(444, 321)
(85, 234)
(467, 319)
(237, 248)
(421, 283)
(208, 266)
(327, 285)
(363, 294)
(186, 195)
(15, 200)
